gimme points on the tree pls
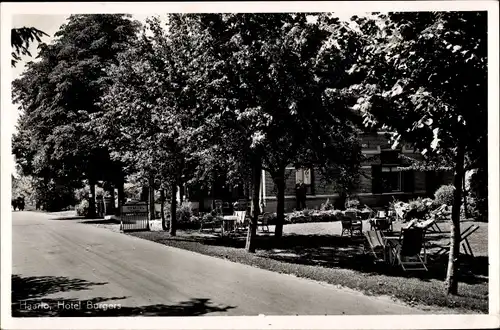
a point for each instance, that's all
(146, 109)
(58, 93)
(268, 85)
(20, 40)
(424, 76)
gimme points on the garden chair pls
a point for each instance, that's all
(428, 225)
(375, 239)
(241, 216)
(264, 221)
(204, 223)
(381, 222)
(436, 215)
(218, 207)
(351, 223)
(408, 249)
(464, 242)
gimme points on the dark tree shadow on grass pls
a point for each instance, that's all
(334, 251)
(29, 300)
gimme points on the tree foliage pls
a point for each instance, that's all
(266, 104)
(57, 93)
(424, 76)
(20, 40)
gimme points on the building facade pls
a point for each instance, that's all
(381, 179)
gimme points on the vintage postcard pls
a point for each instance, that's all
(226, 165)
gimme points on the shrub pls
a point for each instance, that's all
(444, 195)
(473, 209)
(326, 206)
(352, 203)
(419, 208)
(337, 214)
(184, 213)
(83, 208)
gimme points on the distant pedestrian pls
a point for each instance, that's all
(300, 195)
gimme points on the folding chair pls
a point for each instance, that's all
(427, 225)
(375, 239)
(464, 242)
(240, 215)
(409, 248)
(351, 223)
(381, 222)
(264, 221)
(434, 215)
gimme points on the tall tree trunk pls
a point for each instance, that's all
(162, 210)
(280, 197)
(181, 193)
(252, 226)
(466, 209)
(173, 209)
(112, 196)
(121, 193)
(92, 208)
(144, 194)
(452, 273)
(151, 197)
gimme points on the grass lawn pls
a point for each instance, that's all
(316, 251)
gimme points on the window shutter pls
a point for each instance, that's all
(376, 179)
(307, 176)
(299, 175)
(408, 181)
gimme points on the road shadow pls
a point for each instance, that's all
(72, 217)
(29, 299)
(101, 221)
(32, 287)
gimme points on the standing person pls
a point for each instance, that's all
(20, 203)
(303, 195)
(298, 196)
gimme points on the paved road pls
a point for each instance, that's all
(65, 265)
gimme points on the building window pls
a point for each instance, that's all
(304, 175)
(390, 178)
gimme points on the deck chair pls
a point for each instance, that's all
(433, 226)
(464, 242)
(241, 216)
(351, 224)
(263, 221)
(408, 250)
(429, 225)
(375, 240)
(381, 222)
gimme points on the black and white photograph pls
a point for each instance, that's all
(206, 160)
